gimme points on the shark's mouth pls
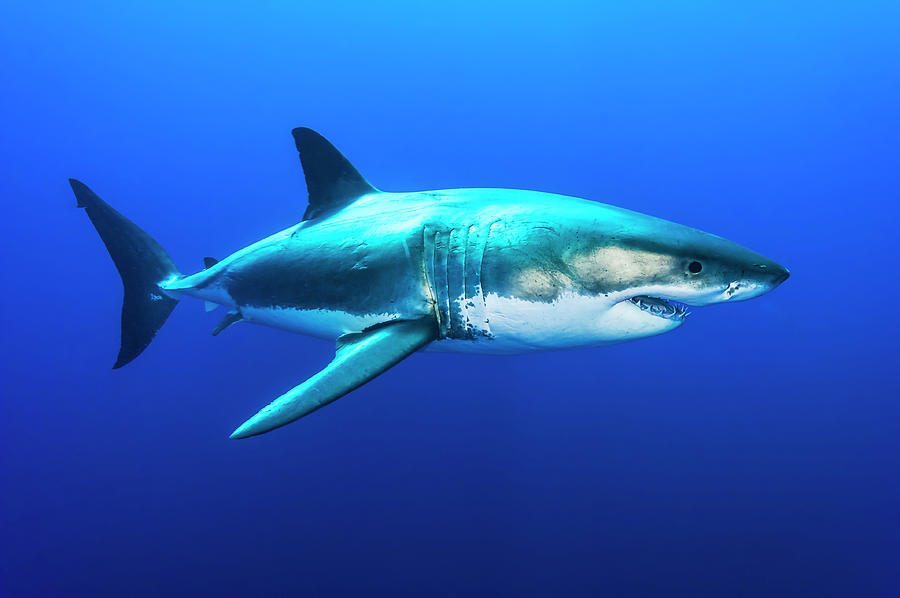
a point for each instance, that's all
(663, 308)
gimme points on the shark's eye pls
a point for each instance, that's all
(695, 267)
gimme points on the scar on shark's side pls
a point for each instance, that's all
(384, 275)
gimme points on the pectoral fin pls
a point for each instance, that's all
(230, 318)
(358, 359)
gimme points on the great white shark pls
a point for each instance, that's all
(470, 270)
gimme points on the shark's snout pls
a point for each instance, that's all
(755, 280)
(769, 274)
(781, 276)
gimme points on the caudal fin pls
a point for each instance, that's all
(142, 264)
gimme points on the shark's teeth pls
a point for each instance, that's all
(662, 308)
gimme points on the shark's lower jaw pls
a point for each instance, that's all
(662, 308)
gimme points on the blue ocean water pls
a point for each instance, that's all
(752, 452)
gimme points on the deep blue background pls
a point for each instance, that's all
(752, 452)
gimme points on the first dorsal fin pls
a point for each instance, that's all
(332, 182)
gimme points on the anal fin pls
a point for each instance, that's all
(358, 359)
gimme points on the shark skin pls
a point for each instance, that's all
(487, 264)
(497, 271)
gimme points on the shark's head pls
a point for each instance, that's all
(650, 271)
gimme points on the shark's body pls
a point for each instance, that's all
(471, 270)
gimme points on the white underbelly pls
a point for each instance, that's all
(510, 325)
(320, 323)
(519, 326)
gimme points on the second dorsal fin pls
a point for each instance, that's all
(332, 182)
